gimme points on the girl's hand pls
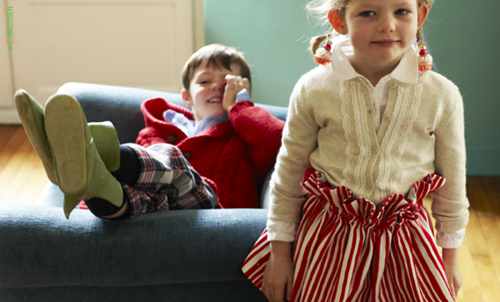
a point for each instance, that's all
(234, 84)
(452, 268)
(278, 275)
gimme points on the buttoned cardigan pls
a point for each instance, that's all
(330, 128)
(234, 155)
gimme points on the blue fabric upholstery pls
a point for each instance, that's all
(189, 255)
(121, 105)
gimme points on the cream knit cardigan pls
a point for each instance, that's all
(330, 128)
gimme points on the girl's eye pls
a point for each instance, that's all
(204, 82)
(367, 14)
(401, 11)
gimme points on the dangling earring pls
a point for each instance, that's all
(424, 58)
(323, 55)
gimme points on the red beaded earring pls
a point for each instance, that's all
(424, 58)
(323, 55)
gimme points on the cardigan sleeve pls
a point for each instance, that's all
(261, 130)
(299, 140)
(449, 203)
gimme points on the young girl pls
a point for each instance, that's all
(370, 129)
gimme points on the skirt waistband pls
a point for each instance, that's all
(340, 200)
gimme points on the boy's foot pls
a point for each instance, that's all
(79, 170)
(31, 114)
(107, 143)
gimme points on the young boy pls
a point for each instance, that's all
(233, 144)
(78, 156)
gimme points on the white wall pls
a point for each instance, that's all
(115, 42)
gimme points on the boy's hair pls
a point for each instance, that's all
(320, 9)
(217, 55)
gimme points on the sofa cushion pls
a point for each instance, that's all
(159, 248)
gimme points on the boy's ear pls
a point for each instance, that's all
(337, 22)
(186, 98)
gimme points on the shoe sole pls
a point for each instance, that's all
(64, 126)
(31, 114)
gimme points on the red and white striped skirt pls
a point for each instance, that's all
(353, 250)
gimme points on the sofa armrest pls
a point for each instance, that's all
(39, 247)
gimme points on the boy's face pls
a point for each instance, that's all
(206, 90)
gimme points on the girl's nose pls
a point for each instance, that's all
(386, 24)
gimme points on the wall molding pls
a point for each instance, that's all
(9, 117)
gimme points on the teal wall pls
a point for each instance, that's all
(272, 34)
(465, 41)
(463, 36)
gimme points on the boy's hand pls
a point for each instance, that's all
(234, 84)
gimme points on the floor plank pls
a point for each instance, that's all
(22, 176)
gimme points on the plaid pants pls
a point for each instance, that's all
(166, 182)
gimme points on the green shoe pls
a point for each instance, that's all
(31, 114)
(106, 143)
(80, 172)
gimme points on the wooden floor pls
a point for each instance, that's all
(22, 178)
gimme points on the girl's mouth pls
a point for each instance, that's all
(386, 42)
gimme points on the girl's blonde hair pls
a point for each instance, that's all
(320, 8)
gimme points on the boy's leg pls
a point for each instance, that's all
(154, 179)
(79, 169)
(130, 166)
(166, 181)
(128, 173)
(32, 117)
(31, 114)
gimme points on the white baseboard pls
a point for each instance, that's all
(9, 117)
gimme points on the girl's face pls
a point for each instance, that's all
(381, 30)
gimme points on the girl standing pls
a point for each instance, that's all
(375, 132)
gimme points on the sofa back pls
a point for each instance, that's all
(122, 105)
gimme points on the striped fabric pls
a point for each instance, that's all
(167, 182)
(352, 250)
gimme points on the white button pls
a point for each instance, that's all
(374, 150)
(369, 185)
(387, 118)
(394, 84)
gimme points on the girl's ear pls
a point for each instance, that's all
(186, 98)
(423, 11)
(337, 22)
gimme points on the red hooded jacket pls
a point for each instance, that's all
(235, 155)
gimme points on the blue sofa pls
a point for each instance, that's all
(189, 255)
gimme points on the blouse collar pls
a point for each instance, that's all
(406, 71)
